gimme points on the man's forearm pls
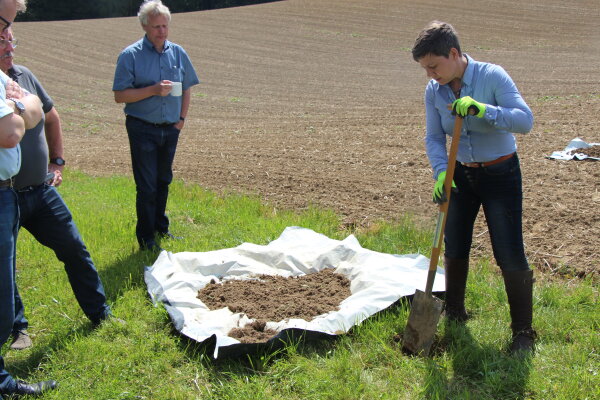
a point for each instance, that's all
(12, 129)
(33, 110)
(131, 95)
(185, 102)
(53, 131)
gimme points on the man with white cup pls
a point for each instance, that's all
(153, 77)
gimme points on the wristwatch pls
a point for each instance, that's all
(18, 105)
(58, 161)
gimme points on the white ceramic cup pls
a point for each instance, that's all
(175, 88)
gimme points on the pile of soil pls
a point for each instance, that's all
(275, 298)
(593, 151)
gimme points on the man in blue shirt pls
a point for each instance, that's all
(144, 78)
(487, 170)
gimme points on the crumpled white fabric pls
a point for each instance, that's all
(576, 143)
(377, 281)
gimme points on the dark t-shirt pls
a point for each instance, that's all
(34, 148)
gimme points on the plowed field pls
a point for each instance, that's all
(319, 102)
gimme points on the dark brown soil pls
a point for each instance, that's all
(275, 298)
(593, 151)
(255, 332)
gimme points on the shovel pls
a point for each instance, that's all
(426, 309)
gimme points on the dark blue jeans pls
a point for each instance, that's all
(152, 153)
(46, 216)
(498, 188)
(9, 218)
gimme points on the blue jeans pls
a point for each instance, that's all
(46, 216)
(152, 153)
(9, 218)
(498, 188)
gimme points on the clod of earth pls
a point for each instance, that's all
(593, 151)
(275, 298)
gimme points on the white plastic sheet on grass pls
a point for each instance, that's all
(576, 143)
(377, 281)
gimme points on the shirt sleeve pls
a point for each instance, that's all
(189, 78)
(4, 108)
(47, 103)
(510, 112)
(124, 75)
(435, 137)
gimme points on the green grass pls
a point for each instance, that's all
(146, 359)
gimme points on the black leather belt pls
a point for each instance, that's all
(7, 183)
(162, 125)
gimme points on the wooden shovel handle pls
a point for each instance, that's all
(443, 213)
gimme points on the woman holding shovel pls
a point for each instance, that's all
(487, 172)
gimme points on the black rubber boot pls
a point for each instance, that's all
(456, 271)
(519, 288)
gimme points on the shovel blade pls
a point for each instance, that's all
(422, 323)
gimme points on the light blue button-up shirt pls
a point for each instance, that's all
(140, 65)
(482, 139)
(10, 159)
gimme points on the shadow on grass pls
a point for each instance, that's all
(255, 359)
(23, 367)
(479, 372)
(123, 274)
(126, 273)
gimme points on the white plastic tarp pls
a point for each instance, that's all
(377, 281)
(576, 143)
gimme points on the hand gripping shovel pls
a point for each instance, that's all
(426, 309)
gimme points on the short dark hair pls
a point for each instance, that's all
(436, 38)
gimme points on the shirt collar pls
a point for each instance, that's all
(468, 75)
(149, 44)
(14, 72)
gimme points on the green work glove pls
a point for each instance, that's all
(462, 106)
(439, 194)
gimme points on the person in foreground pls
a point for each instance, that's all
(42, 210)
(487, 171)
(146, 74)
(15, 117)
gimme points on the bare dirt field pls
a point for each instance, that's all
(319, 102)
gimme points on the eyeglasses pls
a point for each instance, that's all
(4, 43)
(8, 24)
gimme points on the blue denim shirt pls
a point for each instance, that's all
(140, 65)
(10, 159)
(482, 139)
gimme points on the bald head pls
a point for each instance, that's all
(8, 12)
(18, 5)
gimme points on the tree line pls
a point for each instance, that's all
(44, 10)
